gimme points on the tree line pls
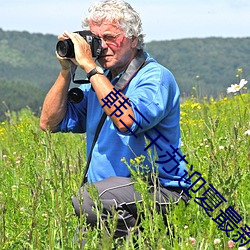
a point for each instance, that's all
(203, 67)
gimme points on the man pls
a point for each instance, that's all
(143, 104)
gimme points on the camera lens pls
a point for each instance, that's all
(75, 95)
(65, 48)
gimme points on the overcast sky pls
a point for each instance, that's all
(162, 19)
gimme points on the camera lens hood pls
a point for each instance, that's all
(65, 48)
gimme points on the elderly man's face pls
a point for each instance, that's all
(118, 50)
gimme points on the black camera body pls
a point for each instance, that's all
(65, 48)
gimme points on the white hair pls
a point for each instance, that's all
(120, 13)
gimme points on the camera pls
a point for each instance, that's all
(65, 48)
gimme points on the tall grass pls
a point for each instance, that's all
(40, 172)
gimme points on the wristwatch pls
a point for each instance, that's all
(96, 70)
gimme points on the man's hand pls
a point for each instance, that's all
(83, 54)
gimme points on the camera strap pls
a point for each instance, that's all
(136, 64)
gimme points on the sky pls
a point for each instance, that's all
(162, 19)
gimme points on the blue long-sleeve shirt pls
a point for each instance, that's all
(154, 97)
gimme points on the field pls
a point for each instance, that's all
(40, 172)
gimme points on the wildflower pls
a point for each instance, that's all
(185, 227)
(132, 162)
(192, 240)
(221, 147)
(240, 70)
(45, 216)
(123, 160)
(14, 188)
(230, 244)
(138, 160)
(247, 133)
(195, 105)
(216, 241)
(237, 87)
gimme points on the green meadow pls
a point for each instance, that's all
(40, 172)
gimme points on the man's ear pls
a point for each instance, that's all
(134, 42)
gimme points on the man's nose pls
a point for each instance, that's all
(104, 44)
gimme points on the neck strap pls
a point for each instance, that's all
(136, 64)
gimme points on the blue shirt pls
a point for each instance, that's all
(154, 96)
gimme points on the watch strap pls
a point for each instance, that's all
(93, 72)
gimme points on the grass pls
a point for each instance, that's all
(40, 172)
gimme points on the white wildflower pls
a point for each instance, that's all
(22, 210)
(217, 241)
(247, 133)
(237, 87)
